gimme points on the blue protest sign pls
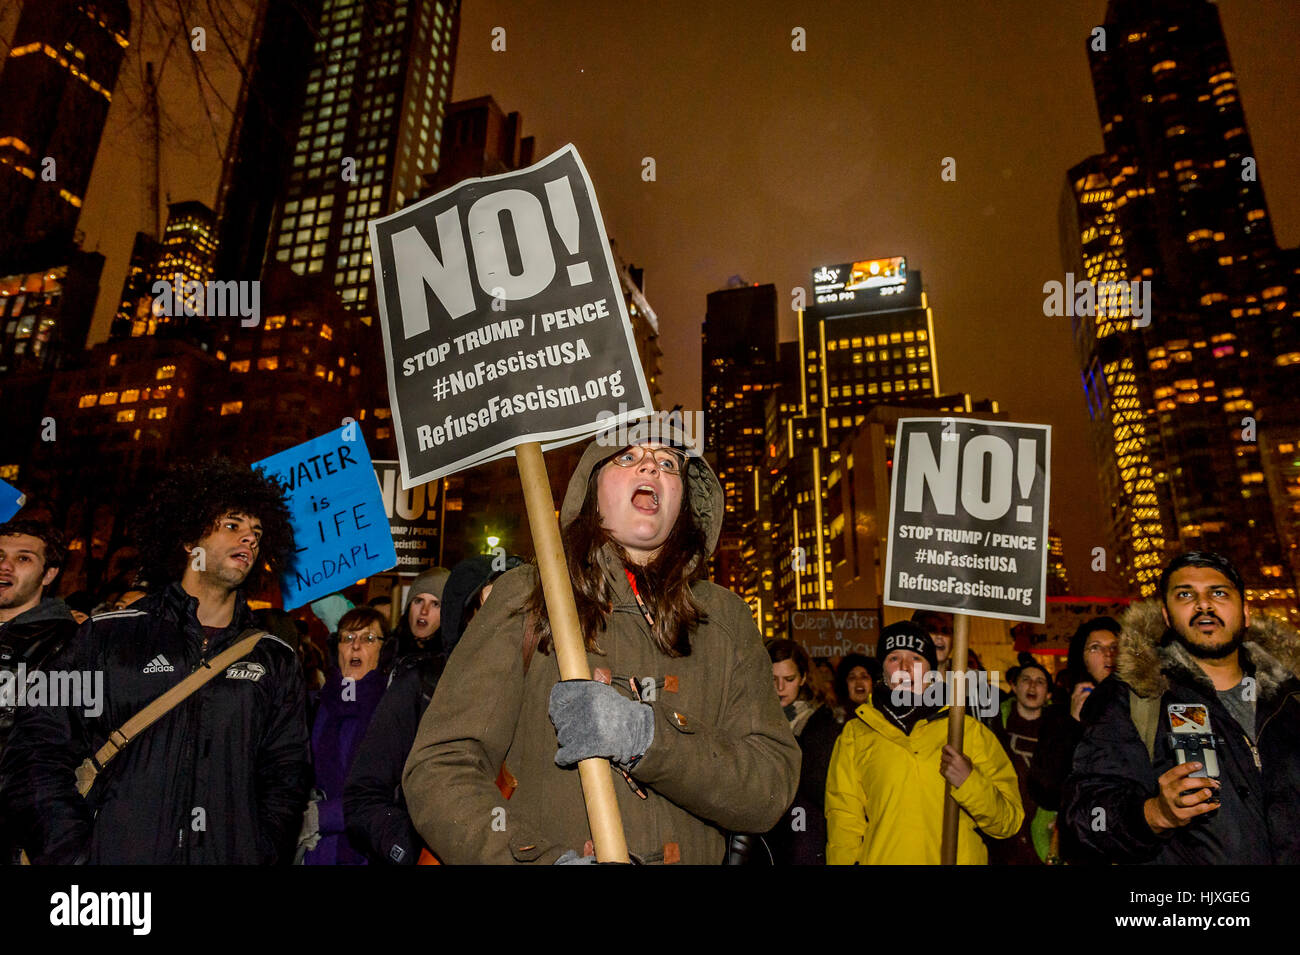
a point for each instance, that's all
(11, 500)
(338, 515)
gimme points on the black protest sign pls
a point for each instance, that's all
(503, 319)
(413, 518)
(835, 633)
(968, 517)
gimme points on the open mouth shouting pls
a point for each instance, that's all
(243, 557)
(645, 498)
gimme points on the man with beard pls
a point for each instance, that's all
(1127, 797)
(223, 776)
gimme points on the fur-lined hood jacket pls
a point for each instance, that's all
(1257, 817)
(1272, 654)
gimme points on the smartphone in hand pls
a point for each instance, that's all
(1193, 738)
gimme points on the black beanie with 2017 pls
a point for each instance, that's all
(906, 635)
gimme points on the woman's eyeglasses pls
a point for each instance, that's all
(366, 638)
(668, 460)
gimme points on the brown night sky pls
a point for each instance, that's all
(771, 162)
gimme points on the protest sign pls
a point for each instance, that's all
(11, 500)
(835, 633)
(505, 330)
(503, 319)
(413, 519)
(968, 517)
(337, 513)
(1064, 615)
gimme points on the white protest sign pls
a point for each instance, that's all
(968, 517)
(503, 319)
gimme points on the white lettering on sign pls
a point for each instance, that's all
(514, 212)
(988, 465)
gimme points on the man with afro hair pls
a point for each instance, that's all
(223, 777)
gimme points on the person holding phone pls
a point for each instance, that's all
(1195, 653)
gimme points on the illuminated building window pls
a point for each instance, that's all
(108, 398)
(232, 407)
(857, 343)
(895, 338)
(126, 414)
(382, 433)
(240, 366)
(158, 413)
(166, 371)
(268, 364)
(88, 401)
(274, 322)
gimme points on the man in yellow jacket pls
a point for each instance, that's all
(884, 791)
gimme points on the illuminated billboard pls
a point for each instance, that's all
(865, 286)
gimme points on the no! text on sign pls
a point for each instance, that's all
(968, 517)
(503, 319)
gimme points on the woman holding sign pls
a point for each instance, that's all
(885, 788)
(681, 703)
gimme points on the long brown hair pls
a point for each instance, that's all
(664, 583)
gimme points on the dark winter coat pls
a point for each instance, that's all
(222, 778)
(722, 757)
(799, 837)
(1258, 820)
(28, 641)
(374, 808)
(341, 722)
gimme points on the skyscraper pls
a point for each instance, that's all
(55, 90)
(1180, 398)
(738, 372)
(259, 157)
(371, 127)
(183, 255)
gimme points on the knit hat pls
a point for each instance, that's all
(906, 635)
(430, 582)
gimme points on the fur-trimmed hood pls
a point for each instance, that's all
(1272, 645)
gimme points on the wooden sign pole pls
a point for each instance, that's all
(570, 650)
(956, 734)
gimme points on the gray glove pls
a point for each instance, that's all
(594, 719)
(572, 858)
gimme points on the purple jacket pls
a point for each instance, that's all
(340, 725)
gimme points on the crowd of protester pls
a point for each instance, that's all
(357, 732)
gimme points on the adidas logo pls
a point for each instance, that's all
(158, 664)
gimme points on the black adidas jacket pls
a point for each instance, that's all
(222, 778)
(1258, 821)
